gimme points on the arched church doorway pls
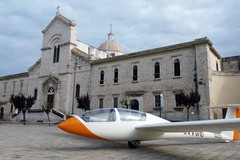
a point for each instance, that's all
(134, 104)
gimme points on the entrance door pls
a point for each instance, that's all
(135, 104)
(50, 99)
(50, 96)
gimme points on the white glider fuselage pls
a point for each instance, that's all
(123, 130)
(129, 125)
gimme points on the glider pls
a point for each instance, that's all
(118, 124)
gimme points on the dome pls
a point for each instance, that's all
(111, 46)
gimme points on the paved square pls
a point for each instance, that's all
(31, 142)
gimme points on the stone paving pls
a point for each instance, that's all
(43, 142)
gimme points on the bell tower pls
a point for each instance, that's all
(59, 38)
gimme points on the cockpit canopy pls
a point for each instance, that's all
(99, 115)
(131, 115)
(110, 114)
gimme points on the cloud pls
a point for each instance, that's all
(137, 25)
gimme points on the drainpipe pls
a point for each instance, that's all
(196, 80)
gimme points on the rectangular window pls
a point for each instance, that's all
(115, 102)
(156, 70)
(100, 102)
(77, 92)
(135, 73)
(157, 101)
(177, 68)
(115, 77)
(35, 93)
(102, 77)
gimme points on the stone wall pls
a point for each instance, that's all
(231, 64)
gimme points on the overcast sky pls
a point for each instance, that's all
(137, 25)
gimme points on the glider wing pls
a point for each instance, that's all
(196, 126)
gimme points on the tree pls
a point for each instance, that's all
(22, 104)
(83, 102)
(125, 103)
(47, 109)
(188, 100)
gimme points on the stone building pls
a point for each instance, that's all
(69, 68)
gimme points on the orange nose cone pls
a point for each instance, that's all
(75, 126)
(69, 125)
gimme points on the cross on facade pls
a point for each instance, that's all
(58, 9)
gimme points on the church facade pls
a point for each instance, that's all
(150, 79)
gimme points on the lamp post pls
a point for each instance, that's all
(75, 66)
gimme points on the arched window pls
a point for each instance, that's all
(135, 73)
(156, 70)
(56, 54)
(77, 93)
(102, 77)
(35, 93)
(115, 78)
(176, 67)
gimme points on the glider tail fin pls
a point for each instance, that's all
(232, 112)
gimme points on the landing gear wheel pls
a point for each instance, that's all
(133, 144)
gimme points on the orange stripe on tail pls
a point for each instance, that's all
(236, 133)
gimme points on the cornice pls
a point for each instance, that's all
(19, 75)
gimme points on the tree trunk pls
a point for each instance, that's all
(187, 114)
(48, 119)
(24, 118)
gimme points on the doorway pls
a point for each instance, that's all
(50, 99)
(135, 104)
